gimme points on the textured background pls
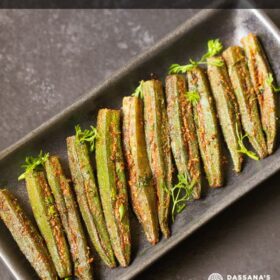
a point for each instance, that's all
(50, 58)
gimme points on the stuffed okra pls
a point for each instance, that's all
(70, 218)
(142, 188)
(48, 221)
(88, 198)
(246, 97)
(260, 71)
(112, 182)
(184, 143)
(26, 236)
(206, 126)
(227, 109)
(158, 147)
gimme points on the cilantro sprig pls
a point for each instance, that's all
(242, 149)
(193, 97)
(214, 47)
(87, 135)
(270, 83)
(138, 92)
(181, 193)
(33, 163)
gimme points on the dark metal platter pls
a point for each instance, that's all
(187, 41)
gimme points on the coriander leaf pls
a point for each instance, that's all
(193, 97)
(270, 82)
(180, 194)
(138, 91)
(176, 68)
(32, 163)
(242, 149)
(51, 210)
(87, 135)
(218, 62)
(214, 47)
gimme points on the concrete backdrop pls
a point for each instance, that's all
(50, 58)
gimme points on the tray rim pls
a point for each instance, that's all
(150, 52)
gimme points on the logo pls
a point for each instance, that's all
(218, 276)
(215, 276)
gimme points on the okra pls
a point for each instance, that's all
(48, 221)
(227, 109)
(112, 182)
(70, 217)
(88, 199)
(26, 236)
(183, 137)
(158, 148)
(207, 127)
(141, 183)
(259, 71)
(246, 97)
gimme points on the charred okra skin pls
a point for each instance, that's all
(182, 131)
(207, 127)
(70, 217)
(48, 221)
(158, 148)
(88, 199)
(26, 236)
(259, 71)
(112, 182)
(227, 109)
(246, 97)
(141, 183)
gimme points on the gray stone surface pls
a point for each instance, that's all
(50, 58)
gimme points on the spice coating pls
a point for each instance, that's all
(183, 136)
(141, 183)
(259, 71)
(26, 236)
(112, 182)
(206, 127)
(158, 148)
(246, 97)
(227, 109)
(70, 217)
(48, 221)
(88, 199)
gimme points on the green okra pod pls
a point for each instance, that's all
(227, 109)
(158, 148)
(207, 127)
(70, 217)
(259, 71)
(48, 221)
(88, 199)
(246, 97)
(141, 183)
(112, 182)
(26, 236)
(182, 131)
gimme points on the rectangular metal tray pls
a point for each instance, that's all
(186, 41)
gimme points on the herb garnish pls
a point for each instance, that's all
(193, 97)
(242, 149)
(214, 47)
(179, 201)
(32, 163)
(138, 92)
(269, 81)
(87, 135)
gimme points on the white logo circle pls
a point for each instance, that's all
(215, 276)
